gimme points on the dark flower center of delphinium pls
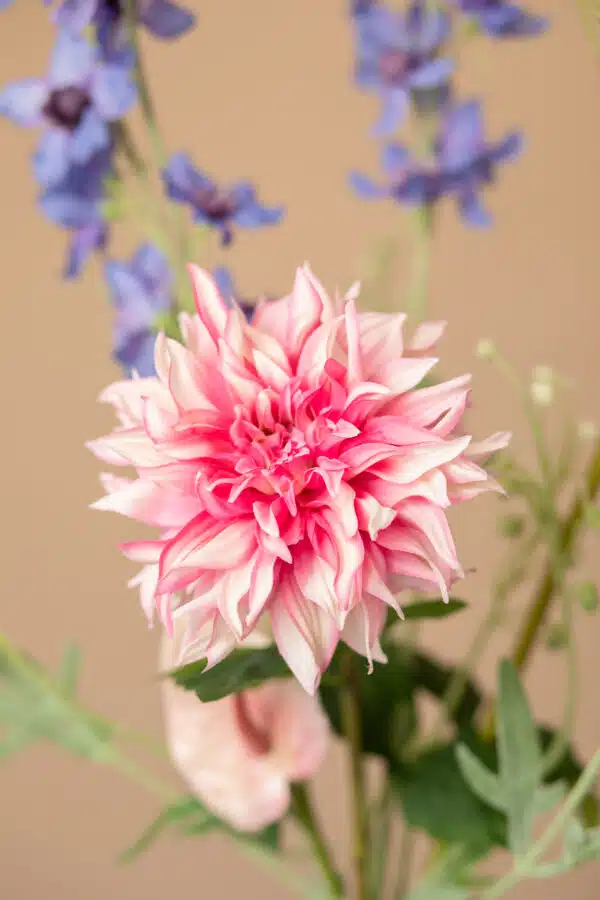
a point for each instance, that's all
(114, 6)
(215, 204)
(66, 106)
(394, 65)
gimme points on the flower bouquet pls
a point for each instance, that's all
(297, 459)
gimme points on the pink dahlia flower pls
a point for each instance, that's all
(239, 754)
(298, 473)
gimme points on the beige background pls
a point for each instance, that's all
(261, 89)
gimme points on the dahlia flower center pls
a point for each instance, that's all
(66, 106)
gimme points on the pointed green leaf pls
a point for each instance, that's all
(69, 669)
(436, 799)
(548, 796)
(242, 669)
(432, 609)
(187, 808)
(484, 783)
(519, 756)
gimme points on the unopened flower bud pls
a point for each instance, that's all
(485, 349)
(542, 393)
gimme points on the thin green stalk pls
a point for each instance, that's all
(550, 583)
(523, 866)
(381, 820)
(418, 295)
(304, 814)
(405, 854)
(350, 707)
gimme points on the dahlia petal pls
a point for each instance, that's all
(304, 311)
(355, 364)
(235, 587)
(426, 336)
(362, 630)
(305, 635)
(495, 442)
(210, 548)
(372, 515)
(261, 585)
(409, 466)
(432, 486)
(405, 373)
(146, 502)
(269, 372)
(142, 551)
(432, 522)
(127, 447)
(210, 305)
(438, 407)
(184, 379)
(381, 340)
(146, 580)
(300, 730)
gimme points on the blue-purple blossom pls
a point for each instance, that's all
(397, 54)
(75, 104)
(141, 290)
(76, 203)
(4, 4)
(221, 208)
(463, 163)
(161, 17)
(500, 18)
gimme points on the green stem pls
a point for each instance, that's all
(418, 296)
(350, 708)
(524, 865)
(550, 583)
(407, 846)
(379, 840)
(303, 811)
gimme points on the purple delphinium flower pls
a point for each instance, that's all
(221, 208)
(463, 163)
(4, 4)
(76, 204)
(500, 18)
(161, 17)
(397, 54)
(141, 290)
(81, 95)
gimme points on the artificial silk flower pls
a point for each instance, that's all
(297, 471)
(220, 208)
(239, 754)
(75, 104)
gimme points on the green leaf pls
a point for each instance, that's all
(192, 819)
(436, 799)
(388, 713)
(586, 594)
(435, 677)
(592, 516)
(34, 706)
(432, 609)
(484, 783)
(519, 755)
(242, 669)
(176, 814)
(438, 892)
(548, 796)
(69, 669)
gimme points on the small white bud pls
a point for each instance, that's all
(542, 392)
(485, 349)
